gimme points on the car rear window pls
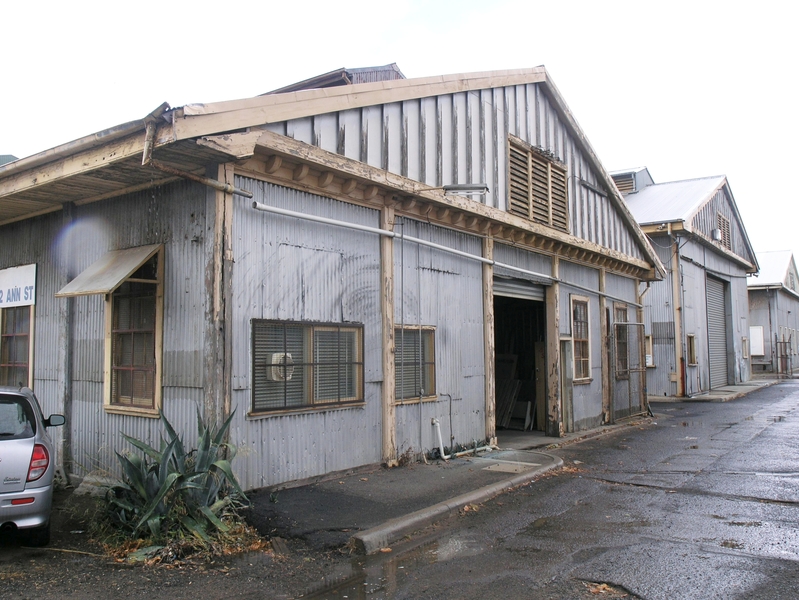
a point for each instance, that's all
(16, 418)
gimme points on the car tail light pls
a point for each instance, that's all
(40, 460)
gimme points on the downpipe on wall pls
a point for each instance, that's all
(437, 424)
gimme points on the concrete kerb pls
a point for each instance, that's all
(382, 536)
(722, 395)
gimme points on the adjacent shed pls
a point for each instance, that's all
(774, 314)
(697, 318)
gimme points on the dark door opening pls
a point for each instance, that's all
(520, 343)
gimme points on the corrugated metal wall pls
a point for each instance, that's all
(524, 259)
(760, 315)
(293, 269)
(463, 138)
(173, 215)
(435, 288)
(659, 319)
(697, 377)
(623, 288)
(777, 312)
(587, 397)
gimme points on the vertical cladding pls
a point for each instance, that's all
(443, 290)
(659, 317)
(621, 287)
(587, 397)
(524, 259)
(293, 269)
(64, 244)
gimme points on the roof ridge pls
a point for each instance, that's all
(691, 179)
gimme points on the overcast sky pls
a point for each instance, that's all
(688, 89)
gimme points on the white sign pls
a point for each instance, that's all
(756, 343)
(18, 286)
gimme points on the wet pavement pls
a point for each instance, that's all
(372, 508)
(700, 501)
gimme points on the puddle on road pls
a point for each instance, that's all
(379, 575)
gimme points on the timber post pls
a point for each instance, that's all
(389, 454)
(489, 342)
(554, 426)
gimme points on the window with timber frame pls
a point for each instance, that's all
(537, 186)
(15, 346)
(581, 338)
(415, 362)
(134, 310)
(301, 366)
(131, 281)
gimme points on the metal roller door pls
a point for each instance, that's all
(518, 288)
(717, 332)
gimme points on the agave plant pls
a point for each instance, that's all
(168, 490)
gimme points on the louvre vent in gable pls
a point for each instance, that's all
(724, 229)
(625, 183)
(537, 186)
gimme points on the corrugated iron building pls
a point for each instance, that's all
(774, 314)
(697, 317)
(302, 259)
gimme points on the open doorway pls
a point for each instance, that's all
(520, 345)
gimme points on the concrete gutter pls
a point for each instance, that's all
(382, 536)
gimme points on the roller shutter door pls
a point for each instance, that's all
(518, 288)
(716, 332)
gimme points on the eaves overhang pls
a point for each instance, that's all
(704, 240)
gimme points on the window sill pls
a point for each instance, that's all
(132, 411)
(254, 416)
(583, 381)
(651, 367)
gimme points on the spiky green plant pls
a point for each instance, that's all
(169, 492)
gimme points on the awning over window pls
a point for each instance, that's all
(107, 274)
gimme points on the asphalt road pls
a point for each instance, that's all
(701, 503)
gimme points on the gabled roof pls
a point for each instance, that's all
(676, 201)
(774, 269)
(110, 162)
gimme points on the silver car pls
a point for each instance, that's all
(26, 465)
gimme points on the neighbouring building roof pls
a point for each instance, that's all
(775, 270)
(7, 158)
(674, 201)
(344, 76)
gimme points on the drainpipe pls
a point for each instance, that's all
(771, 329)
(437, 424)
(676, 293)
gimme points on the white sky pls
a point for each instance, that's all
(688, 89)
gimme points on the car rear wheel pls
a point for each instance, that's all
(37, 537)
